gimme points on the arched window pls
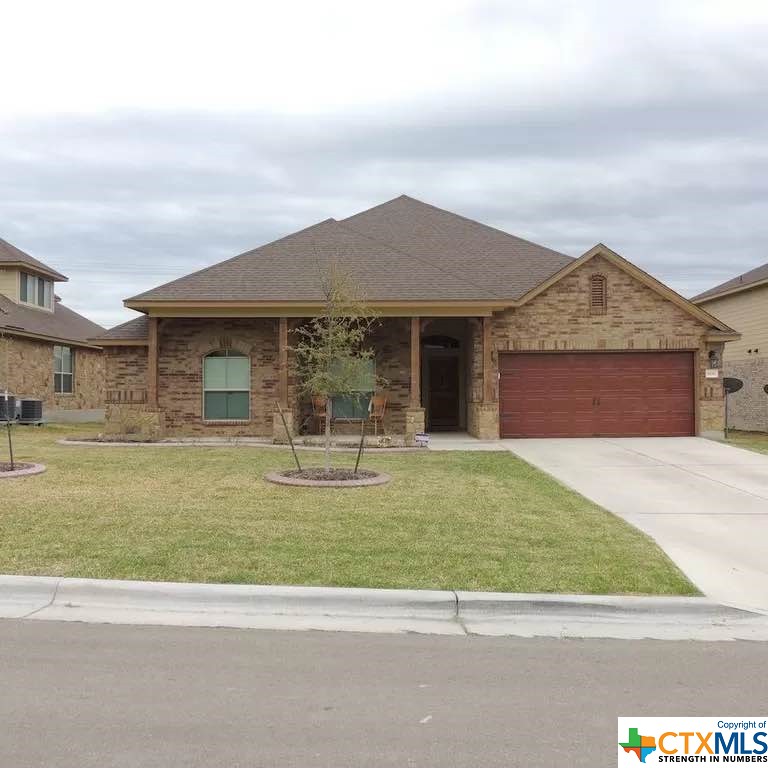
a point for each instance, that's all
(598, 295)
(226, 386)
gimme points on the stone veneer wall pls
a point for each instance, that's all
(748, 408)
(30, 366)
(637, 319)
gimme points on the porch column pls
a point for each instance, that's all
(483, 413)
(279, 434)
(282, 355)
(487, 362)
(415, 363)
(414, 415)
(152, 363)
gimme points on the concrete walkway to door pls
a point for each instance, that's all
(705, 503)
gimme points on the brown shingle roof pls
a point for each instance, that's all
(10, 254)
(754, 276)
(491, 259)
(137, 329)
(402, 250)
(62, 324)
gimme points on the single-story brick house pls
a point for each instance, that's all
(480, 331)
(742, 302)
(45, 352)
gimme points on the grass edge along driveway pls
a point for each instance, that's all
(464, 520)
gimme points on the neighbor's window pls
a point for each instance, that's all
(355, 405)
(63, 370)
(598, 295)
(226, 386)
(36, 290)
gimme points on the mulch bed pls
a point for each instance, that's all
(317, 477)
(318, 473)
(5, 466)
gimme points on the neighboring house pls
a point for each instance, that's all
(480, 331)
(742, 302)
(44, 348)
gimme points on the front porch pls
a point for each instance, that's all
(224, 377)
(437, 377)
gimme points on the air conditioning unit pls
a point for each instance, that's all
(30, 411)
(9, 409)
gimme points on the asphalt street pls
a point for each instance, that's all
(85, 695)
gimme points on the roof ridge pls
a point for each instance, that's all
(415, 257)
(233, 258)
(457, 216)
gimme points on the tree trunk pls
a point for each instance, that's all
(328, 435)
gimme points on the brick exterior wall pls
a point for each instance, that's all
(392, 342)
(126, 368)
(184, 342)
(637, 318)
(29, 363)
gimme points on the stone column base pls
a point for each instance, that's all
(136, 422)
(483, 420)
(414, 423)
(278, 429)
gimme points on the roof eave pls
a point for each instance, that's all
(88, 343)
(715, 336)
(176, 308)
(698, 300)
(119, 342)
(52, 273)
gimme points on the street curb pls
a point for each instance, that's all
(374, 610)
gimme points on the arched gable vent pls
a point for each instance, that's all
(598, 295)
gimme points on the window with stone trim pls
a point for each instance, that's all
(598, 295)
(226, 386)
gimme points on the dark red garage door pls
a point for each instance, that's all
(589, 394)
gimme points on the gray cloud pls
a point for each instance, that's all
(665, 162)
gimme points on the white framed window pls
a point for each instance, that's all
(63, 370)
(35, 290)
(226, 386)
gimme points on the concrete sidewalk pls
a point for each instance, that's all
(374, 610)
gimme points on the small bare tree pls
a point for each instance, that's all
(331, 356)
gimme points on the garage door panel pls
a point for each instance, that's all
(593, 394)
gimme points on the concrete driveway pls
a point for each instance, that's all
(705, 503)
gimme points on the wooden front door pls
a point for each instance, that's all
(443, 411)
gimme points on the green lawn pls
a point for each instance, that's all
(447, 521)
(754, 441)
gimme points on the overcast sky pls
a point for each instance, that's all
(138, 146)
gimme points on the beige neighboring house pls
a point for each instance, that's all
(742, 302)
(44, 349)
(480, 331)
